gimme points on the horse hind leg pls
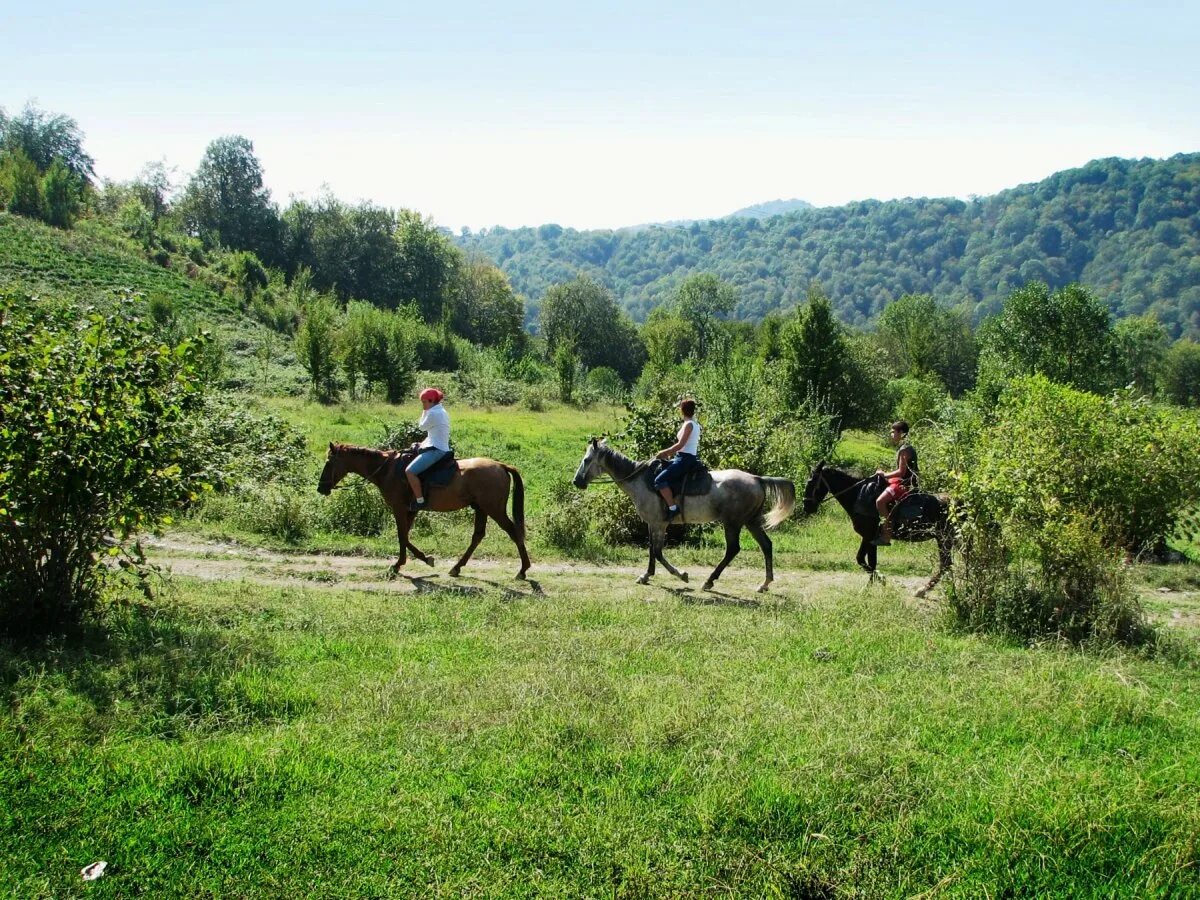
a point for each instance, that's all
(476, 537)
(510, 528)
(733, 535)
(678, 573)
(944, 561)
(759, 533)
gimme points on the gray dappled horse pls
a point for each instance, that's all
(737, 500)
(933, 523)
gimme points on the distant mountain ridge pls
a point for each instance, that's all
(771, 208)
(1130, 229)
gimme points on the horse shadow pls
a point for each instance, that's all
(692, 597)
(507, 591)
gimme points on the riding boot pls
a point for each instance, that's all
(417, 505)
(884, 538)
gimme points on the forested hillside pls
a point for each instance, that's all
(1128, 228)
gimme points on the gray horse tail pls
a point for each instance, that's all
(782, 493)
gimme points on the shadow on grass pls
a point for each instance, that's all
(150, 670)
(711, 598)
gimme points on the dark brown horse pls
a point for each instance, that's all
(479, 483)
(934, 523)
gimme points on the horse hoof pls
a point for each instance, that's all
(454, 572)
(762, 588)
(708, 586)
(521, 575)
(645, 579)
(683, 577)
(921, 593)
(429, 561)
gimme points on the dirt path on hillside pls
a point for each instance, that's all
(230, 561)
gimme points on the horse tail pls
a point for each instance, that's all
(782, 493)
(518, 512)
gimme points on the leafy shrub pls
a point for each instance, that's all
(109, 455)
(356, 508)
(607, 384)
(235, 445)
(1054, 486)
(917, 399)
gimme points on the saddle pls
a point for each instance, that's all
(696, 482)
(437, 475)
(914, 506)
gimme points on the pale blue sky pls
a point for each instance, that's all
(482, 114)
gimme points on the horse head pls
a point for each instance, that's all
(335, 469)
(589, 466)
(815, 490)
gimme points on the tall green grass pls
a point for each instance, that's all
(590, 739)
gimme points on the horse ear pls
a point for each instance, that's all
(594, 441)
(820, 465)
(331, 446)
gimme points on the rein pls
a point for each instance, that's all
(830, 495)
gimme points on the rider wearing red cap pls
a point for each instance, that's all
(435, 422)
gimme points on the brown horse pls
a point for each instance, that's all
(479, 483)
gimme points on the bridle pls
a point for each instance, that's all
(383, 465)
(638, 468)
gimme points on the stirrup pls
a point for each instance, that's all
(672, 513)
(416, 506)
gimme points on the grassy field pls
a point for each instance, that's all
(583, 736)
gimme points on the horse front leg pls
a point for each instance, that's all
(662, 541)
(733, 541)
(403, 523)
(645, 579)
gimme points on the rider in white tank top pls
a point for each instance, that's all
(693, 441)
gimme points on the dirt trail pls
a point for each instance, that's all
(228, 561)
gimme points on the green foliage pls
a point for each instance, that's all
(1142, 343)
(316, 346)
(1054, 486)
(700, 300)
(247, 273)
(60, 195)
(921, 339)
(584, 316)
(1126, 228)
(1180, 377)
(20, 184)
(378, 347)
(226, 204)
(821, 361)
(235, 445)
(484, 308)
(917, 400)
(606, 383)
(109, 455)
(44, 138)
(566, 365)
(1064, 335)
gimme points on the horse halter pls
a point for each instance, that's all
(383, 465)
(829, 492)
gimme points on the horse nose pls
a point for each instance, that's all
(323, 489)
(580, 483)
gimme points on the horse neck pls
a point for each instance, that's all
(839, 484)
(619, 468)
(369, 463)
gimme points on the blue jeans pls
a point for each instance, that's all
(426, 458)
(672, 476)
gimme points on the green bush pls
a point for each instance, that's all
(1055, 486)
(109, 455)
(357, 508)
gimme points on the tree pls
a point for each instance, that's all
(109, 456)
(427, 260)
(60, 195)
(1065, 335)
(1180, 378)
(700, 300)
(583, 315)
(20, 185)
(44, 138)
(1141, 345)
(226, 204)
(376, 345)
(484, 308)
(921, 339)
(316, 344)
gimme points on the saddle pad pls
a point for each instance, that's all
(440, 473)
(864, 501)
(915, 506)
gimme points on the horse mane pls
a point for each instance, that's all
(618, 460)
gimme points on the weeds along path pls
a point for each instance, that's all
(223, 561)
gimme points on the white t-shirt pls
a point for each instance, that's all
(435, 421)
(693, 441)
